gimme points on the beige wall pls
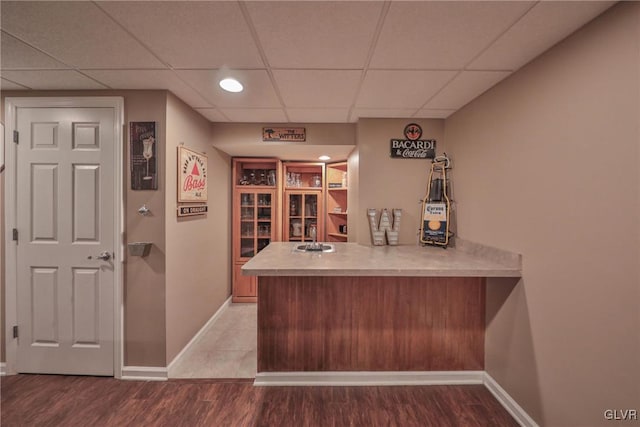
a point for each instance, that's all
(384, 182)
(547, 164)
(145, 277)
(245, 140)
(198, 250)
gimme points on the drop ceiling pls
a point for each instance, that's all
(303, 61)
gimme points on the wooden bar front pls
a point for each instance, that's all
(342, 323)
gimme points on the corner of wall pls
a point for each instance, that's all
(198, 247)
(392, 182)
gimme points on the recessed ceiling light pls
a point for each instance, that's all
(324, 157)
(231, 85)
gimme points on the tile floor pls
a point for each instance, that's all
(227, 349)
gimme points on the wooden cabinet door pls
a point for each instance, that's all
(244, 287)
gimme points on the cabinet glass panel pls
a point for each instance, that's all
(264, 229)
(295, 229)
(246, 229)
(295, 205)
(310, 205)
(262, 243)
(256, 211)
(264, 199)
(247, 247)
(264, 214)
(246, 199)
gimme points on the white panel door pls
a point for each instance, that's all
(65, 221)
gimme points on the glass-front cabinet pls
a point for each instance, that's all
(303, 201)
(255, 218)
(256, 222)
(303, 210)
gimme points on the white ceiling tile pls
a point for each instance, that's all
(212, 114)
(17, 55)
(317, 88)
(441, 35)
(316, 51)
(52, 79)
(433, 114)
(264, 115)
(464, 88)
(374, 113)
(207, 34)
(150, 79)
(400, 89)
(315, 34)
(9, 85)
(258, 91)
(546, 24)
(77, 33)
(318, 115)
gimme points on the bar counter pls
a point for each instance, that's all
(350, 259)
(373, 309)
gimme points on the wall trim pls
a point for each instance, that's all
(199, 334)
(368, 378)
(144, 373)
(3, 369)
(509, 403)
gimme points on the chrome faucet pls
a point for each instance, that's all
(313, 232)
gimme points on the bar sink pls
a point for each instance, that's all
(319, 247)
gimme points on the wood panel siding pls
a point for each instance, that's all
(370, 324)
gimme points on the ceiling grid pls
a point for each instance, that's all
(311, 61)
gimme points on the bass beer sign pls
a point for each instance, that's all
(192, 176)
(412, 147)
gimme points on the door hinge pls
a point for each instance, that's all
(16, 136)
(15, 331)
(15, 234)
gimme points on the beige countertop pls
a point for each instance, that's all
(350, 259)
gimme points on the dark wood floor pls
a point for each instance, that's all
(52, 400)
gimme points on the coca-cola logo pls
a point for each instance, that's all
(413, 149)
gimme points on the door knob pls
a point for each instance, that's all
(104, 256)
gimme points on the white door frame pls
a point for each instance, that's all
(10, 204)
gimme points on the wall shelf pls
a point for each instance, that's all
(337, 197)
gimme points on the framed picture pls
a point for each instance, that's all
(144, 159)
(192, 176)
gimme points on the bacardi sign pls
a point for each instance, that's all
(412, 147)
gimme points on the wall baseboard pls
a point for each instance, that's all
(367, 378)
(199, 334)
(508, 402)
(3, 369)
(144, 373)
